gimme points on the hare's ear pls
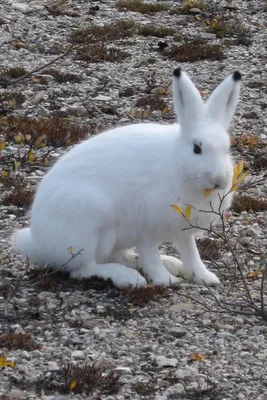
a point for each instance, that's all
(188, 104)
(222, 103)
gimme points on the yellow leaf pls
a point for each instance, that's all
(165, 110)
(4, 363)
(31, 156)
(196, 357)
(73, 384)
(12, 102)
(188, 211)
(254, 274)
(17, 165)
(2, 146)
(177, 209)
(4, 173)
(18, 138)
(46, 162)
(28, 137)
(70, 249)
(241, 178)
(162, 91)
(207, 192)
(41, 141)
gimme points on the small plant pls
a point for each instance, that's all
(62, 77)
(60, 7)
(120, 29)
(210, 249)
(189, 4)
(145, 389)
(157, 31)
(222, 26)
(20, 196)
(194, 51)
(154, 101)
(10, 100)
(12, 72)
(17, 341)
(260, 162)
(86, 378)
(100, 53)
(248, 203)
(141, 6)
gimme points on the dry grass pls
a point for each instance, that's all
(154, 30)
(248, 203)
(56, 132)
(20, 196)
(15, 341)
(209, 249)
(143, 295)
(194, 51)
(62, 77)
(141, 6)
(154, 101)
(120, 29)
(100, 53)
(88, 377)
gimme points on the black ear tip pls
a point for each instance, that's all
(237, 76)
(177, 72)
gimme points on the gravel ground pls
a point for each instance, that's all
(87, 340)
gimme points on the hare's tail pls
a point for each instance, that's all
(22, 241)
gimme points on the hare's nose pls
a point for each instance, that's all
(219, 181)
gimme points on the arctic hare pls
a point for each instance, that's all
(113, 192)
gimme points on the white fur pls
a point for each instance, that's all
(113, 192)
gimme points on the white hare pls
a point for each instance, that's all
(113, 192)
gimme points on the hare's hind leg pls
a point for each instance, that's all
(121, 276)
(131, 259)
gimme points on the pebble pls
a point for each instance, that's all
(78, 355)
(177, 332)
(52, 366)
(162, 361)
(175, 390)
(122, 371)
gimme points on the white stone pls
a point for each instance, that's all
(78, 355)
(163, 361)
(24, 8)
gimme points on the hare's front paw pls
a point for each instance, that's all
(169, 280)
(172, 264)
(206, 277)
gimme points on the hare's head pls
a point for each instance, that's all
(205, 141)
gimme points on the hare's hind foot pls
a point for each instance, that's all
(121, 276)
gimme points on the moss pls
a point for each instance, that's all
(157, 31)
(141, 6)
(120, 29)
(248, 203)
(194, 51)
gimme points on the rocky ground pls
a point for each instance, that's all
(63, 339)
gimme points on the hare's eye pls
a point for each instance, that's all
(197, 149)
